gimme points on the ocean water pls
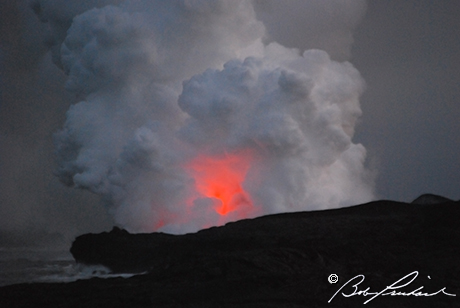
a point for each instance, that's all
(25, 265)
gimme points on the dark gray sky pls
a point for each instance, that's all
(408, 52)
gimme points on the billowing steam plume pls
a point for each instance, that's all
(192, 115)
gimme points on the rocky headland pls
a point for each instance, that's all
(281, 260)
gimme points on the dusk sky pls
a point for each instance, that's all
(407, 52)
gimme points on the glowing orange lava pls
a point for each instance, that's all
(222, 178)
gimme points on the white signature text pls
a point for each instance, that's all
(389, 290)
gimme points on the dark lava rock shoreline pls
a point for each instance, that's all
(281, 260)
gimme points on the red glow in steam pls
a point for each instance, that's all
(222, 178)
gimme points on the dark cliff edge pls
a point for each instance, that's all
(281, 260)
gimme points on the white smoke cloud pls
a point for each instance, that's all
(33, 102)
(166, 82)
(297, 113)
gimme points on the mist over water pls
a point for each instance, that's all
(156, 85)
(28, 265)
